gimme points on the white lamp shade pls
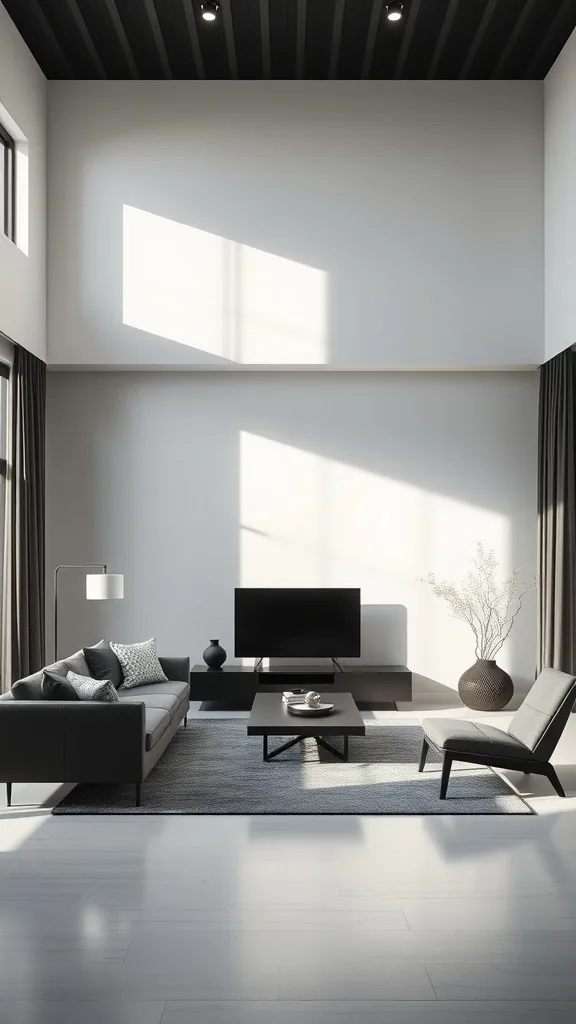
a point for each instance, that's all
(104, 586)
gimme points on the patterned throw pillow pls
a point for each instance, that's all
(139, 663)
(92, 689)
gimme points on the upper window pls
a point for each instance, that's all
(7, 184)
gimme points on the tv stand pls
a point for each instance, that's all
(374, 687)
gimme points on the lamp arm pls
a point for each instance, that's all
(90, 565)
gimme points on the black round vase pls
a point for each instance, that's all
(214, 655)
(485, 687)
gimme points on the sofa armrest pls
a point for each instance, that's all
(176, 669)
(71, 741)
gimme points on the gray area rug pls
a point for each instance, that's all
(213, 767)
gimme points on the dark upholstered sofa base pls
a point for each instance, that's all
(90, 741)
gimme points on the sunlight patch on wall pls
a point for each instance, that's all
(307, 520)
(220, 296)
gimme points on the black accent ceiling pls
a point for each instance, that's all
(315, 39)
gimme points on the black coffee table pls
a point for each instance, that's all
(270, 717)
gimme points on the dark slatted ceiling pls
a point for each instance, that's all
(316, 39)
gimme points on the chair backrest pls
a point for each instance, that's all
(540, 720)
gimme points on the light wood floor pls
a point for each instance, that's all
(247, 920)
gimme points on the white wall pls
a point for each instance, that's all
(348, 224)
(194, 483)
(560, 203)
(23, 273)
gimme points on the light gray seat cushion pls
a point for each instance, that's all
(164, 702)
(176, 688)
(473, 738)
(157, 721)
(169, 696)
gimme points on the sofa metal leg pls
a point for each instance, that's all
(137, 794)
(185, 721)
(423, 754)
(550, 773)
(446, 766)
(9, 794)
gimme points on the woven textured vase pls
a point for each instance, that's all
(485, 687)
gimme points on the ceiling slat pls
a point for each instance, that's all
(194, 40)
(229, 35)
(140, 39)
(158, 37)
(122, 37)
(336, 37)
(265, 38)
(87, 38)
(481, 32)
(444, 33)
(67, 69)
(513, 37)
(408, 33)
(373, 27)
(301, 38)
(561, 14)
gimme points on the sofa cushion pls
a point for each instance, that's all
(103, 663)
(472, 738)
(164, 702)
(161, 697)
(77, 663)
(59, 667)
(57, 687)
(174, 687)
(29, 688)
(139, 663)
(157, 721)
(93, 689)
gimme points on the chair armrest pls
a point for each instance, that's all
(176, 669)
(71, 741)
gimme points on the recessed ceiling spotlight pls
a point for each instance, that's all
(394, 11)
(209, 10)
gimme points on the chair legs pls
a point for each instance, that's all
(550, 773)
(9, 794)
(137, 794)
(423, 754)
(446, 766)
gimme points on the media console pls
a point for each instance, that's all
(374, 687)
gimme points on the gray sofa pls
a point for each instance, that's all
(88, 741)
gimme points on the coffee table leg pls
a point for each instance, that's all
(267, 756)
(342, 755)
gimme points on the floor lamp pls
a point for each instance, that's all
(100, 586)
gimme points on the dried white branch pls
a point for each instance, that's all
(488, 606)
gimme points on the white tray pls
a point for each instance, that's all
(305, 710)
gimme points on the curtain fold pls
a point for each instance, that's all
(557, 514)
(23, 591)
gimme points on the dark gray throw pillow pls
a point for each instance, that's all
(55, 687)
(103, 663)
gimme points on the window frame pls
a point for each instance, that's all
(4, 407)
(9, 198)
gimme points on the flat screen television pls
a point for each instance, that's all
(297, 622)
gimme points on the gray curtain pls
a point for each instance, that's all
(23, 631)
(557, 514)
